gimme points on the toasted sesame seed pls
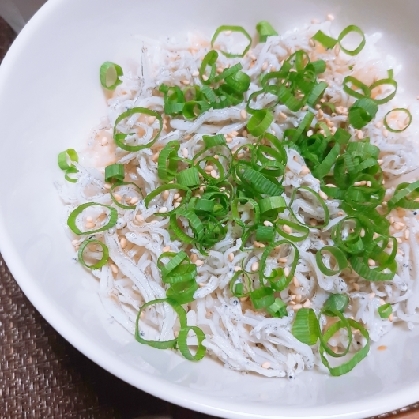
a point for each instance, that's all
(114, 268)
(243, 114)
(359, 135)
(209, 168)
(287, 229)
(185, 82)
(177, 204)
(398, 226)
(265, 66)
(282, 115)
(258, 244)
(205, 77)
(286, 271)
(406, 234)
(296, 281)
(123, 243)
(357, 287)
(371, 262)
(193, 257)
(230, 257)
(283, 260)
(185, 153)
(307, 303)
(89, 225)
(139, 218)
(162, 210)
(369, 183)
(267, 223)
(310, 133)
(380, 162)
(237, 268)
(167, 249)
(266, 365)
(165, 194)
(305, 171)
(133, 201)
(213, 173)
(391, 317)
(195, 74)
(382, 348)
(199, 262)
(255, 266)
(323, 195)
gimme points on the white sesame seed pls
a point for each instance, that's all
(398, 226)
(167, 249)
(243, 114)
(195, 74)
(89, 225)
(209, 168)
(228, 33)
(165, 194)
(360, 135)
(255, 266)
(193, 257)
(151, 119)
(114, 269)
(310, 133)
(330, 17)
(185, 82)
(391, 317)
(265, 66)
(176, 196)
(185, 153)
(266, 365)
(237, 268)
(162, 210)
(104, 141)
(286, 271)
(371, 262)
(230, 257)
(369, 184)
(205, 77)
(139, 218)
(406, 234)
(258, 244)
(267, 223)
(213, 173)
(199, 262)
(177, 204)
(134, 201)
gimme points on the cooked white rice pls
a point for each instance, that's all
(241, 338)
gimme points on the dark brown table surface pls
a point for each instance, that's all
(43, 376)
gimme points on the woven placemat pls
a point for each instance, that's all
(43, 376)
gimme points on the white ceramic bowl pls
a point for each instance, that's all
(50, 98)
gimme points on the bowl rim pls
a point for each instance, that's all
(157, 386)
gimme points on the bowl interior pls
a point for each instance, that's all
(50, 99)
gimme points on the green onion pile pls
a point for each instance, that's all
(217, 184)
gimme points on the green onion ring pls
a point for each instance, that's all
(232, 28)
(99, 264)
(387, 125)
(183, 346)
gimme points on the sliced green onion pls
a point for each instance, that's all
(264, 30)
(210, 60)
(260, 122)
(385, 82)
(160, 344)
(405, 196)
(272, 206)
(278, 309)
(356, 359)
(168, 161)
(174, 99)
(114, 173)
(188, 177)
(352, 29)
(336, 302)
(406, 125)
(341, 261)
(65, 159)
(362, 112)
(306, 326)
(260, 183)
(265, 234)
(361, 267)
(100, 263)
(232, 28)
(385, 311)
(110, 75)
(183, 346)
(119, 137)
(366, 91)
(262, 298)
(327, 41)
(118, 202)
(72, 219)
